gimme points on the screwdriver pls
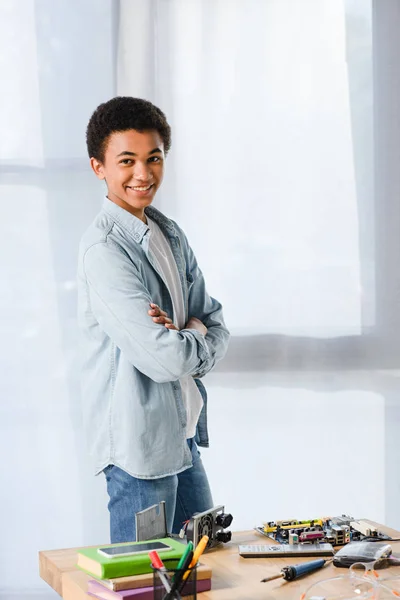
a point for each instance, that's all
(292, 572)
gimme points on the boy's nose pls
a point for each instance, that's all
(142, 172)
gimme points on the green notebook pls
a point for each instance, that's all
(102, 567)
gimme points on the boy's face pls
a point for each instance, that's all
(133, 168)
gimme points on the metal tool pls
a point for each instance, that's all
(292, 572)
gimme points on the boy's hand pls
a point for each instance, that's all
(195, 323)
(161, 317)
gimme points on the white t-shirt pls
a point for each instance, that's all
(162, 252)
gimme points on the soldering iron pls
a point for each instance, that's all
(292, 572)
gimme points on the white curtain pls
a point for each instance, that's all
(283, 172)
(57, 63)
(265, 155)
(271, 175)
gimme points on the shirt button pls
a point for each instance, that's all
(136, 237)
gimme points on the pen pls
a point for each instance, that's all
(162, 571)
(178, 581)
(182, 563)
(201, 546)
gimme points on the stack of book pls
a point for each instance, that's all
(130, 577)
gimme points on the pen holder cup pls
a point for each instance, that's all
(186, 589)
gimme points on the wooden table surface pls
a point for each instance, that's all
(234, 577)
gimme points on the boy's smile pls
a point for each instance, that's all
(133, 169)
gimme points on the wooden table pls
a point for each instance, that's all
(234, 577)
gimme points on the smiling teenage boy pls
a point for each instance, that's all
(149, 329)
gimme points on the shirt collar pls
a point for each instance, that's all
(165, 224)
(135, 226)
(132, 224)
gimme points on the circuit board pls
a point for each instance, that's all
(337, 531)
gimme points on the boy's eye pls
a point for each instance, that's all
(155, 159)
(126, 161)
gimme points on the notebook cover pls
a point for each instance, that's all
(99, 591)
(96, 589)
(135, 581)
(94, 563)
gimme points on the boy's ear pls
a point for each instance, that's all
(97, 167)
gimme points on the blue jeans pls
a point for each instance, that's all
(184, 494)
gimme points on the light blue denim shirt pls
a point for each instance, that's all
(132, 404)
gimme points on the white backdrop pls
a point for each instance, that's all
(293, 214)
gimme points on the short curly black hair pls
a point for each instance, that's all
(120, 114)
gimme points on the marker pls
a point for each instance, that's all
(201, 546)
(162, 571)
